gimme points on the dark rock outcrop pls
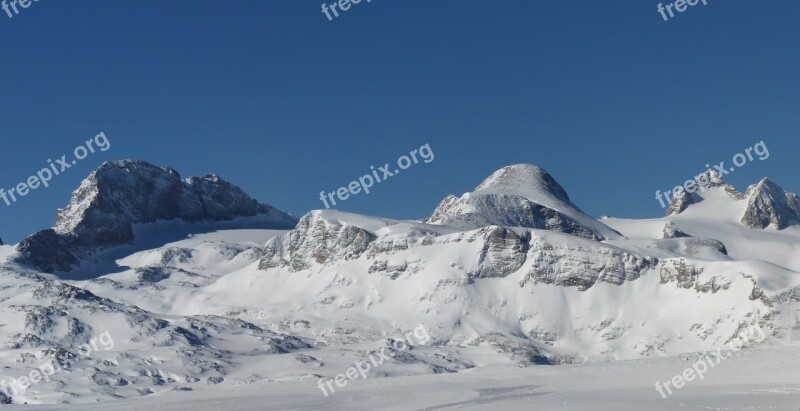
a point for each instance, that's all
(768, 204)
(118, 195)
(672, 231)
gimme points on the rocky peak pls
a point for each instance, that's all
(523, 180)
(102, 211)
(769, 204)
(708, 180)
(521, 195)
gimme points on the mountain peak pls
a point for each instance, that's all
(120, 194)
(109, 168)
(769, 204)
(705, 181)
(765, 184)
(521, 195)
(523, 180)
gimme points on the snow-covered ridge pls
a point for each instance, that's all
(512, 273)
(762, 205)
(519, 231)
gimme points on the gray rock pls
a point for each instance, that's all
(582, 266)
(503, 252)
(102, 212)
(680, 272)
(682, 199)
(508, 211)
(521, 195)
(672, 231)
(768, 204)
(316, 241)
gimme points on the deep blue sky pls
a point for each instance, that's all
(612, 100)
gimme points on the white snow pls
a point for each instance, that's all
(759, 379)
(198, 325)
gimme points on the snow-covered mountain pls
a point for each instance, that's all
(763, 205)
(119, 195)
(522, 195)
(203, 288)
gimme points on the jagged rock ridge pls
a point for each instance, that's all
(767, 203)
(103, 210)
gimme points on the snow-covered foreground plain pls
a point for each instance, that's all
(755, 379)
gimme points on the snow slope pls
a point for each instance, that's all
(524, 299)
(759, 379)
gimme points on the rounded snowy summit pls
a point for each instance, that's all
(524, 180)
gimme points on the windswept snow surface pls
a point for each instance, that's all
(719, 217)
(757, 379)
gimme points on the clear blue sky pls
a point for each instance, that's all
(615, 102)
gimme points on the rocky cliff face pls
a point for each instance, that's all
(499, 226)
(331, 239)
(494, 222)
(316, 240)
(768, 204)
(583, 265)
(102, 212)
(555, 289)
